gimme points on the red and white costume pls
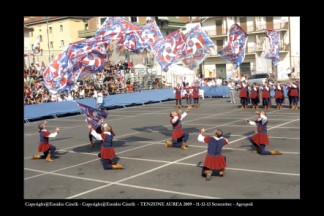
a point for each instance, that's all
(214, 160)
(44, 145)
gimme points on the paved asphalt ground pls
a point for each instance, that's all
(152, 171)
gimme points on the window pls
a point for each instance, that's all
(219, 43)
(41, 52)
(62, 43)
(50, 30)
(61, 28)
(133, 19)
(86, 26)
(102, 20)
(31, 34)
(51, 44)
(40, 38)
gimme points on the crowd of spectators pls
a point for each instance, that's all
(214, 82)
(111, 80)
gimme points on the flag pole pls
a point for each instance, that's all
(49, 51)
(204, 20)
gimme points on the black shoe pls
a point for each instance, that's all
(114, 161)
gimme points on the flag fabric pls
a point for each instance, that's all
(112, 27)
(79, 60)
(87, 57)
(150, 34)
(234, 52)
(170, 49)
(273, 52)
(93, 115)
(198, 46)
(36, 46)
(115, 27)
(54, 76)
(121, 29)
(131, 42)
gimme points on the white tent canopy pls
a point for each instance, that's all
(180, 70)
(140, 66)
(178, 74)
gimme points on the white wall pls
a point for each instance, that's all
(262, 65)
(230, 22)
(27, 49)
(282, 66)
(27, 42)
(260, 23)
(277, 20)
(209, 24)
(251, 42)
(209, 65)
(295, 42)
(249, 23)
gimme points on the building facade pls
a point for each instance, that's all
(166, 24)
(54, 35)
(28, 56)
(217, 28)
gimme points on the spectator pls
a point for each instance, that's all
(100, 100)
(231, 86)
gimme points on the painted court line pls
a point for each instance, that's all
(160, 143)
(127, 185)
(61, 169)
(88, 161)
(250, 170)
(120, 153)
(168, 125)
(134, 176)
(159, 167)
(163, 161)
(232, 125)
(238, 135)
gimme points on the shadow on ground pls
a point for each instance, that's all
(96, 147)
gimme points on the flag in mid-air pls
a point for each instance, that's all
(198, 46)
(93, 115)
(150, 33)
(79, 60)
(170, 49)
(273, 52)
(234, 52)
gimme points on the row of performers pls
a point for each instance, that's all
(191, 92)
(253, 92)
(214, 163)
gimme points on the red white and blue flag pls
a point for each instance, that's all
(88, 56)
(150, 34)
(170, 49)
(234, 52)
(113, 26)
(131, 42)
(273, 52)
(199, 45)
(55, 77)
(93, 115)
(79, 60)
(121, 29)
